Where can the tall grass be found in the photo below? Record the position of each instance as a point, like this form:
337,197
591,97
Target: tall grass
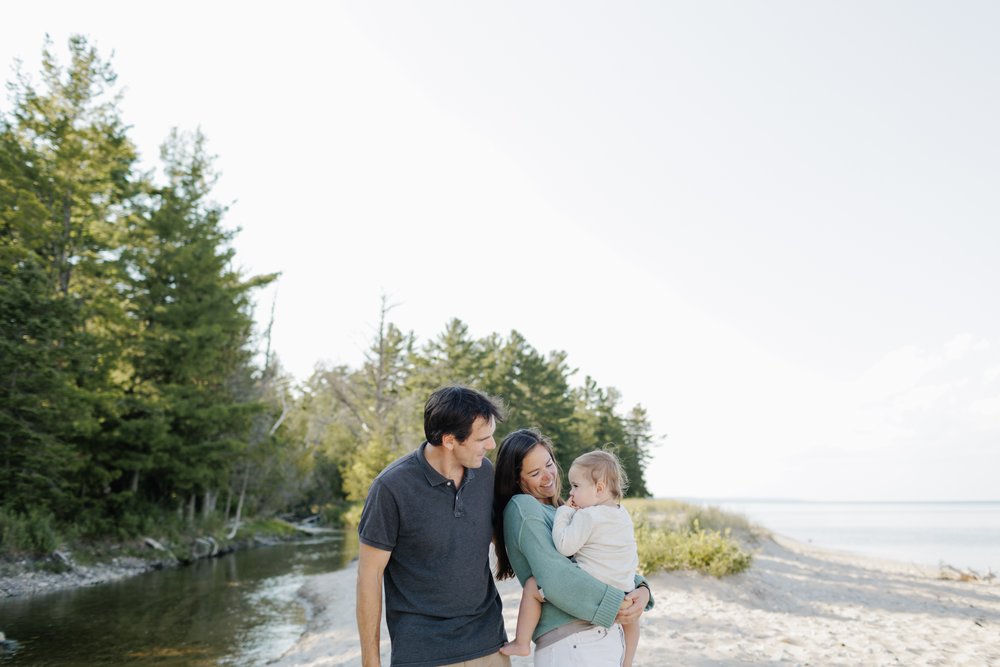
672,535
27,534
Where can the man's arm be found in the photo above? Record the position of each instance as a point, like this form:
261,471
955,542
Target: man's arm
371,568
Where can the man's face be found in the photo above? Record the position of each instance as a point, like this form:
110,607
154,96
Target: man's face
471,451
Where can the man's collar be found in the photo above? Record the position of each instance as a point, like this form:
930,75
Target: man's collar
434,478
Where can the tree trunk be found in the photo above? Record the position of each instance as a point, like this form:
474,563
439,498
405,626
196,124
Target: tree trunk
208,504
191,506
239,505
63,254
134,486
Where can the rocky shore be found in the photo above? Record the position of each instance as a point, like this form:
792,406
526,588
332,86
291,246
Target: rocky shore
60,570
32,577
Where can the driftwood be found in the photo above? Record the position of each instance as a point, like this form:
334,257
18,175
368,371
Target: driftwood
968,574
153,544
307,527
204,547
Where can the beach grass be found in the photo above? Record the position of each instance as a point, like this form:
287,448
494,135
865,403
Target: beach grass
673,535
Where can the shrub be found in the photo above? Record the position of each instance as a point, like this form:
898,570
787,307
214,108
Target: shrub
269,527
352,516
33,533
708,551
671,535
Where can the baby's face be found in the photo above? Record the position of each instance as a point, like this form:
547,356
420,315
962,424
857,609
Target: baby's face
582,490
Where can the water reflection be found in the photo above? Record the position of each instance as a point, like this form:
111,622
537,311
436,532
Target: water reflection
240,609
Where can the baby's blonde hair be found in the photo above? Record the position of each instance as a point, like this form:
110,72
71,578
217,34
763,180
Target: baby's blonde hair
605,467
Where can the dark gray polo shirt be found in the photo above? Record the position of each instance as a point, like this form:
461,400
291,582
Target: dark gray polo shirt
441,604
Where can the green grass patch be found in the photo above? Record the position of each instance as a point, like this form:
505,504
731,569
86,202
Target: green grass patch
268,528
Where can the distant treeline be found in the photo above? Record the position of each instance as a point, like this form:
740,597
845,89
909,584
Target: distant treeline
130,390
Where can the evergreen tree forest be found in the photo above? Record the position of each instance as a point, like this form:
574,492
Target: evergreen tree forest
134,387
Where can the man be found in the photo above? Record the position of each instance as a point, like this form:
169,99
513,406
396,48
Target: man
425,533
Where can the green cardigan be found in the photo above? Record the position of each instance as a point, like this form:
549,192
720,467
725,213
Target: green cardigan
570,593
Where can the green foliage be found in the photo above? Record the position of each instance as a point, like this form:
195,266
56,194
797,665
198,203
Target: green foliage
130,398
597,423
125,335
33,533
669,536
269,527
352,517
65,188
678,515
363,466
361,420
185,401
708,551
713,518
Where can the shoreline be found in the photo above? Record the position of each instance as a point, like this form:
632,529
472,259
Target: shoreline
797,605
26,581
28,577
948,534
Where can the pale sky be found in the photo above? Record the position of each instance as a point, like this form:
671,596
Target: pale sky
774,224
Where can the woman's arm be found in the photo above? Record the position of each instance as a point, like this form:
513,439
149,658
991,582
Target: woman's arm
640,582
565,584
636,602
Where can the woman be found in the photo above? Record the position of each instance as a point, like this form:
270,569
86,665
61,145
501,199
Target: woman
579,614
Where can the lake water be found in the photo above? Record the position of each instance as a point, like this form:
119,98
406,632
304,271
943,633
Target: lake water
961,534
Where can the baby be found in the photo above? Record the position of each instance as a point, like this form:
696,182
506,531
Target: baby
598,532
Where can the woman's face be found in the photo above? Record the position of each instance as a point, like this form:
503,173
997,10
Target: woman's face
538,474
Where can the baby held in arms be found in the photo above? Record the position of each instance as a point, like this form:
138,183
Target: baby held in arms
597,531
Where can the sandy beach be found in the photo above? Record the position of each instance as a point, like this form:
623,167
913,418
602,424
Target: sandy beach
797,605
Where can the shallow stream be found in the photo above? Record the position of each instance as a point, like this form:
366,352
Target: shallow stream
240,609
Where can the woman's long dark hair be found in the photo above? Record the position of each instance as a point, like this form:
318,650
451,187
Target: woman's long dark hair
507,484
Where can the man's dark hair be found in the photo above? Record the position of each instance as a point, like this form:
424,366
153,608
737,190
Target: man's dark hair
453,409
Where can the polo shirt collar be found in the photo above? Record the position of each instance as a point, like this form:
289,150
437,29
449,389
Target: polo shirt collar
434,478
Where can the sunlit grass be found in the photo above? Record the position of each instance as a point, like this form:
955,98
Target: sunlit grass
673,535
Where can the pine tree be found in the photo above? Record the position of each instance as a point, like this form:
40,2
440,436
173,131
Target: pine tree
191,360
65,186
598,425
452,358
636,450
386,410
535,387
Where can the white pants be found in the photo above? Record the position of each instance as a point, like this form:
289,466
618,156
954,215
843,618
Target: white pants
599,647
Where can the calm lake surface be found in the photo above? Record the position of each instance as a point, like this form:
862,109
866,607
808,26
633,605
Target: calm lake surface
961,534
239,609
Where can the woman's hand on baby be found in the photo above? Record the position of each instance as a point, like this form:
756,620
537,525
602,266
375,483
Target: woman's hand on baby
632,606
